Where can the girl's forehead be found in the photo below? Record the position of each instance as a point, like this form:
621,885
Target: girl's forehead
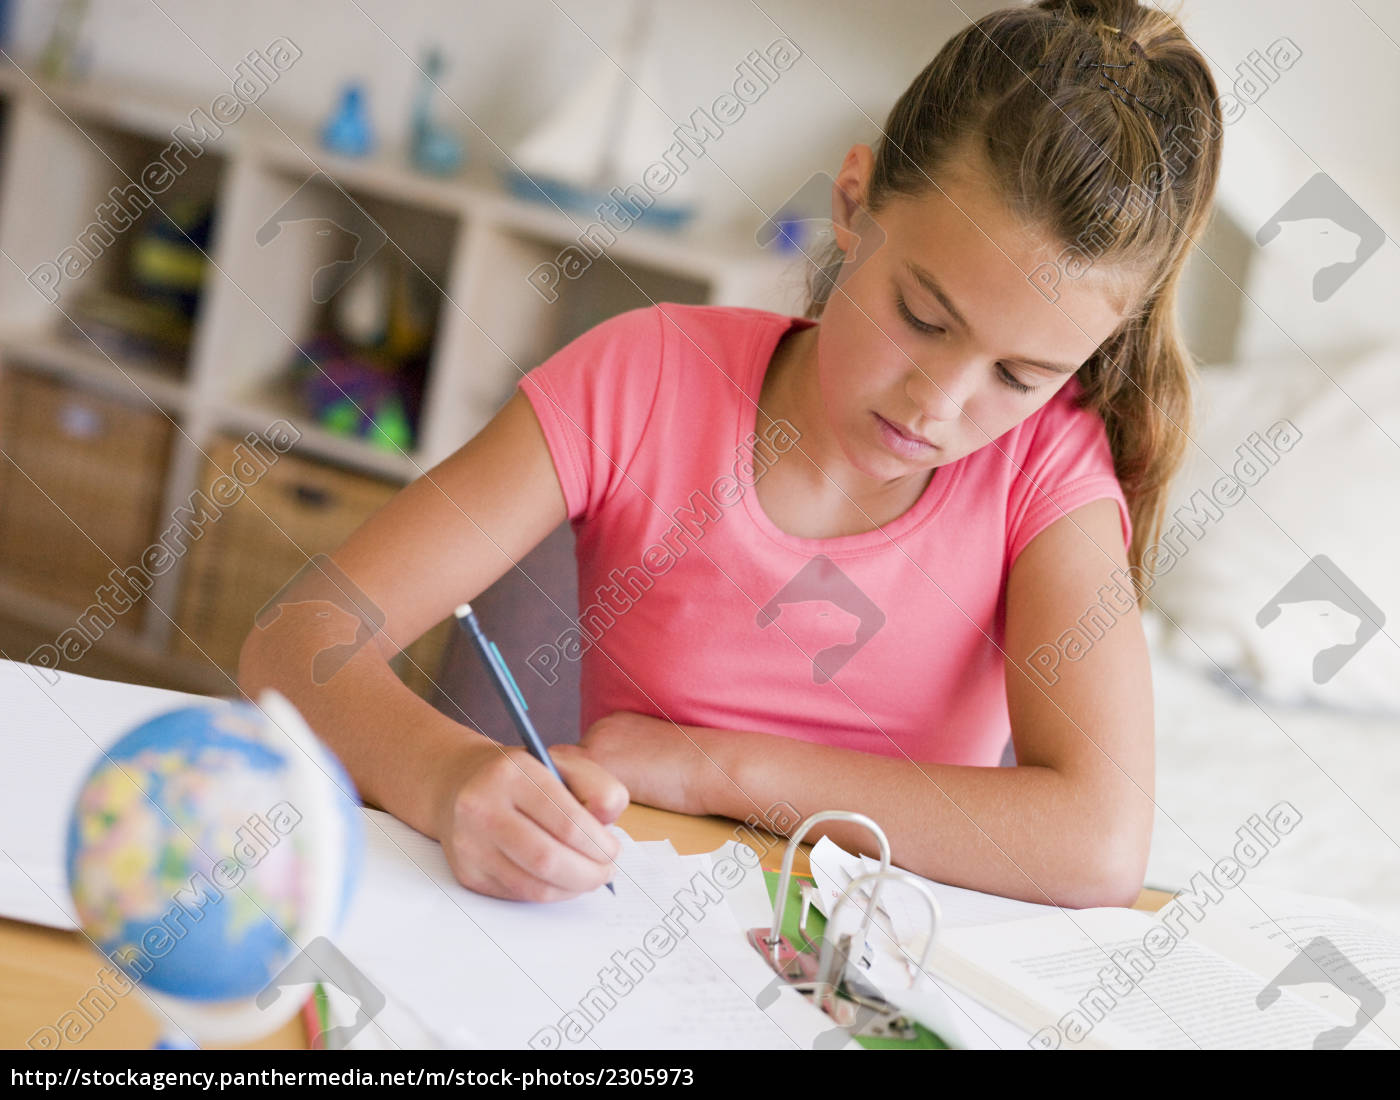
992,268
962,197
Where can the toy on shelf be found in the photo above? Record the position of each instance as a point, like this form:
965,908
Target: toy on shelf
348,131
353,395
168,255
604,136
434,148
363,377
150,316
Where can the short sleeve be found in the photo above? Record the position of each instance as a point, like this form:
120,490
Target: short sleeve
594,398
1067,464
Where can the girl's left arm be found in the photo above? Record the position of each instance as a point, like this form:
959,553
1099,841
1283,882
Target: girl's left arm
1068,825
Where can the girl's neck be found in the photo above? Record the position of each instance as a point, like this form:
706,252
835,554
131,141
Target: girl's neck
815,478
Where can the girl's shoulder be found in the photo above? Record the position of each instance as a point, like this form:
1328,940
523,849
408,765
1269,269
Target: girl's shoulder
730,329
677,330
1055,460
1061,422
631,386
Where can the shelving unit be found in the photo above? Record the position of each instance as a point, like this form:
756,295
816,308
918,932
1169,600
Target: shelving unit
64,147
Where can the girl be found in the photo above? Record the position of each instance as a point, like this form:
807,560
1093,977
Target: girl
841,564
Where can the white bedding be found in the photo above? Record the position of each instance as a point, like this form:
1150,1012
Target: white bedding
1221,758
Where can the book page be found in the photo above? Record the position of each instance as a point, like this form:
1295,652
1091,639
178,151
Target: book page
1116,977
1328,952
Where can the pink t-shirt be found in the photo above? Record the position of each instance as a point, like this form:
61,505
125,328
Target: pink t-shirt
695,606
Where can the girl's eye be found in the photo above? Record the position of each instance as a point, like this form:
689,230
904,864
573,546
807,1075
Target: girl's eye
923,326
1011,380
914,322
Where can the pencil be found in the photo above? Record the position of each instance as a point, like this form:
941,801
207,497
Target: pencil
311,1020
509,691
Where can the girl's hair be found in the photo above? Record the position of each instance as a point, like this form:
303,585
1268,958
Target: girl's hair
1118,164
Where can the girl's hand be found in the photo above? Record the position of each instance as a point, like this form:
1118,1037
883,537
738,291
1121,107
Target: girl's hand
510,830
663,765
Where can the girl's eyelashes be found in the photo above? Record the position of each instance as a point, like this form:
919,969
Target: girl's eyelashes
1005,375
914,322
1011,380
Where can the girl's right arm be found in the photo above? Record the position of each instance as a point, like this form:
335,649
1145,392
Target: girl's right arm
507,827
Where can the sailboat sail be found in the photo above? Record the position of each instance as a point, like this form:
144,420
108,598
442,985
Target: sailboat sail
606,133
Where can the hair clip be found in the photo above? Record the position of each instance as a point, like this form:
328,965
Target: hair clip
1134,101
1116,95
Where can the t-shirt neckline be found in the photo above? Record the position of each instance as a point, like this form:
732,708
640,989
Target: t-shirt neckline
928,505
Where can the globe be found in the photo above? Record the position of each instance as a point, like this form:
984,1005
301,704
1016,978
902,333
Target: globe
206,850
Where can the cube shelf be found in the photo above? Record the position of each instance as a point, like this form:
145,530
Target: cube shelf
290,224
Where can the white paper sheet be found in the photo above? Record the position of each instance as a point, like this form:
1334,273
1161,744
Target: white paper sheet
53,735
512,974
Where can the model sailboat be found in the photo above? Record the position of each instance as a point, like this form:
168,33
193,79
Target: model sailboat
595,148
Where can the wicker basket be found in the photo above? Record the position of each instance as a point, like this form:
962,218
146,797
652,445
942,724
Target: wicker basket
80,486
296,509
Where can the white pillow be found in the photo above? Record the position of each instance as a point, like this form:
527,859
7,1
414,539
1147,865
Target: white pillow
1291,585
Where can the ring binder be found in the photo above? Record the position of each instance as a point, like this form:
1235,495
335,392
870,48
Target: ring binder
851,983
851,999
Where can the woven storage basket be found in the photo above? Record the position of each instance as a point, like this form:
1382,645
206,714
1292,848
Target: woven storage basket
296,509
97,467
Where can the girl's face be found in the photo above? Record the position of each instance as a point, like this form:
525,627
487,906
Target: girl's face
936,342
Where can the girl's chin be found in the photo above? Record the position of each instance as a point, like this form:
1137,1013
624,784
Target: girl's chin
873,460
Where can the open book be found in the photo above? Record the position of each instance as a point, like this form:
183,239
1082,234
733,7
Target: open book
1217,967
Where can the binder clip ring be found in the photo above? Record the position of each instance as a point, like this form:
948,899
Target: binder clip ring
825,986
773,946
799,970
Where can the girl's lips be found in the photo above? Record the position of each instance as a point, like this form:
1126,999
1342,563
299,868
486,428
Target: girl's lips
901,444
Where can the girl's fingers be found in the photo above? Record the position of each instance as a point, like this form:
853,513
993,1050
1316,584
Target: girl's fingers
554,810
515,884
594,786
541,798
539,860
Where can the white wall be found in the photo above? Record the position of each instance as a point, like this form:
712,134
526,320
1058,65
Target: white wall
1334,111
510,62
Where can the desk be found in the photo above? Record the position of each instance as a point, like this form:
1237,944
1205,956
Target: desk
44,971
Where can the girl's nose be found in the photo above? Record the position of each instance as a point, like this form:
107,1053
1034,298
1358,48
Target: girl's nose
941,392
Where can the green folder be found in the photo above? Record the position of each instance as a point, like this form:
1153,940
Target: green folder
816,924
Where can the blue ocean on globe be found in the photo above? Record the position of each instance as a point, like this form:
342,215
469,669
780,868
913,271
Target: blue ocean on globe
204,846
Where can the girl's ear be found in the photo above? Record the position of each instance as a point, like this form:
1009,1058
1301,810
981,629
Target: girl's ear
848,195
